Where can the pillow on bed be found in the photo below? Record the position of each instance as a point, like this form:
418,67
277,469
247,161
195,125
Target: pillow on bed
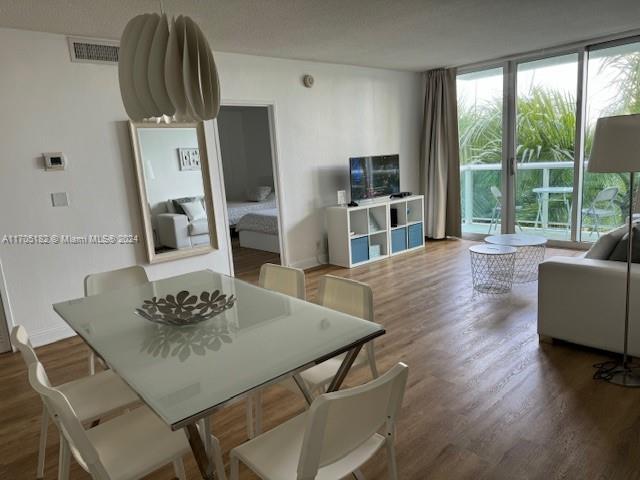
258,194
194,210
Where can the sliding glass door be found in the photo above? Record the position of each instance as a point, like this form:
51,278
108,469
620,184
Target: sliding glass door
613,88
526,128
480,119
546,92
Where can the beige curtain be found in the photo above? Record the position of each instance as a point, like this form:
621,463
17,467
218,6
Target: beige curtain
439,156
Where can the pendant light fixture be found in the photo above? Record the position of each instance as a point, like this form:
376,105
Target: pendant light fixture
166,69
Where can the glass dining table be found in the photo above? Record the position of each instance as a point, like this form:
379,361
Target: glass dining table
184,373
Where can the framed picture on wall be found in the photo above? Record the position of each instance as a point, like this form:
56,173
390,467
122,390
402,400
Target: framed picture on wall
189,159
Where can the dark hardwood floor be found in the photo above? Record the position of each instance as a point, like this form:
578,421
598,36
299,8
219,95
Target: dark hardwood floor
484,399
247,261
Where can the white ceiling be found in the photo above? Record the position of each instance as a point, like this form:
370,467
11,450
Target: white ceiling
400,34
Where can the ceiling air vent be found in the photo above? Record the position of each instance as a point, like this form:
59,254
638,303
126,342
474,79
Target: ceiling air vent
91,50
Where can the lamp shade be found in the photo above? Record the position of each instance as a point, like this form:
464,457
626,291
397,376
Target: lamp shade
616,145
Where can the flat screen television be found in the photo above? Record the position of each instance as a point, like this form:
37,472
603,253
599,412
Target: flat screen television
375,176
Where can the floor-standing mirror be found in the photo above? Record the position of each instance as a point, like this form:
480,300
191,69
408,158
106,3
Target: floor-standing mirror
174,187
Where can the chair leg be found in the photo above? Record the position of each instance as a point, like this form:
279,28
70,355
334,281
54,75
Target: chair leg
391,459
64,460
257,399
249,417
235,467
358,475
92,363
44,427
216,453
178,468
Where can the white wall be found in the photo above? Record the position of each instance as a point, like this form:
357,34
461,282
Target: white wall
50,104
349,111
245,145
163,177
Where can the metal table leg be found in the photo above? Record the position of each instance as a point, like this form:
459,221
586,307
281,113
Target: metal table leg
344,369
303,388
205,465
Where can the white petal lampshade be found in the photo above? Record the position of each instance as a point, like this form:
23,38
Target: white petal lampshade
128,45
173,67
167,71
141,66
155,71
616,145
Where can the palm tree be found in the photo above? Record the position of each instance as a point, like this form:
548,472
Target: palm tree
626,97
546,126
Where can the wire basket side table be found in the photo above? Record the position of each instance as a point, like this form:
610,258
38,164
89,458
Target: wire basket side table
531,252
492,268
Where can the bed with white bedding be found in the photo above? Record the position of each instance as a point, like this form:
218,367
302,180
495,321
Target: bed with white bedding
237,210
259,230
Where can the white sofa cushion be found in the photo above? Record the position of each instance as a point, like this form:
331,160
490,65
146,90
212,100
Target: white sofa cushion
199,227
601,250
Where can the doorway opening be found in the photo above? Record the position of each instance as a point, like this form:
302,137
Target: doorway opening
250,181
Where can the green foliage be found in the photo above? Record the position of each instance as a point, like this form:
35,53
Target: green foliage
546,127
625,84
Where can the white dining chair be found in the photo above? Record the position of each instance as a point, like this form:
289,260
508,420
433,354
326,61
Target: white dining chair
127,447
92,397
346,296
288,281
97,283
353,298
339,433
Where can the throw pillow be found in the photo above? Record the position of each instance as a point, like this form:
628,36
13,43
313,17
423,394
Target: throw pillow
177,203
258,194
602,249
194,210
619,253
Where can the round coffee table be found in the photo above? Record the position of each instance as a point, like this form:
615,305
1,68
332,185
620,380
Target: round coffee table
492,268
531,250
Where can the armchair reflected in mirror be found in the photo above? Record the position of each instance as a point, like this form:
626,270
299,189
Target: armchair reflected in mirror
174,187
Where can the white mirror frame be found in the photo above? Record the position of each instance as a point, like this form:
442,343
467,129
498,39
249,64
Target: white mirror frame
152,256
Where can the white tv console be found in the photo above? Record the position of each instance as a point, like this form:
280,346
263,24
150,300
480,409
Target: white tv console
364,234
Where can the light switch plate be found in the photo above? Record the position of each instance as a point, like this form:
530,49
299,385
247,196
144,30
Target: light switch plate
60,199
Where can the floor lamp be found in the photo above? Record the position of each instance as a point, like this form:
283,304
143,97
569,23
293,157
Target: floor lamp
616,149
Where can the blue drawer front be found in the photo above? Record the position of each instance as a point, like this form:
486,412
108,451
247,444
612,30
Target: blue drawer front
415,235
359,249
398,239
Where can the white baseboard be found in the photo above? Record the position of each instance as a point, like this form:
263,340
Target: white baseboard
50,335
322,259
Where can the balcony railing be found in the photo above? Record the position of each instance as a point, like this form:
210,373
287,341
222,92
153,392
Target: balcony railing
467,172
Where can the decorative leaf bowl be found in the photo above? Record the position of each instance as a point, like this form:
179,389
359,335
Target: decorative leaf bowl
185,308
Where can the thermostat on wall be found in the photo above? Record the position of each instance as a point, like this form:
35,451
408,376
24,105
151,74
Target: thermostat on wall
54,161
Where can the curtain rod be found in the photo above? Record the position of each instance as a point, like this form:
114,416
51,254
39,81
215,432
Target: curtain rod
603,41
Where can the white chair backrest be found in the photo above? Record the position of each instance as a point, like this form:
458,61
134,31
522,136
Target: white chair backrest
67,422
606,195
339,422
96,283
286,280
347,296
495,191
20,340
